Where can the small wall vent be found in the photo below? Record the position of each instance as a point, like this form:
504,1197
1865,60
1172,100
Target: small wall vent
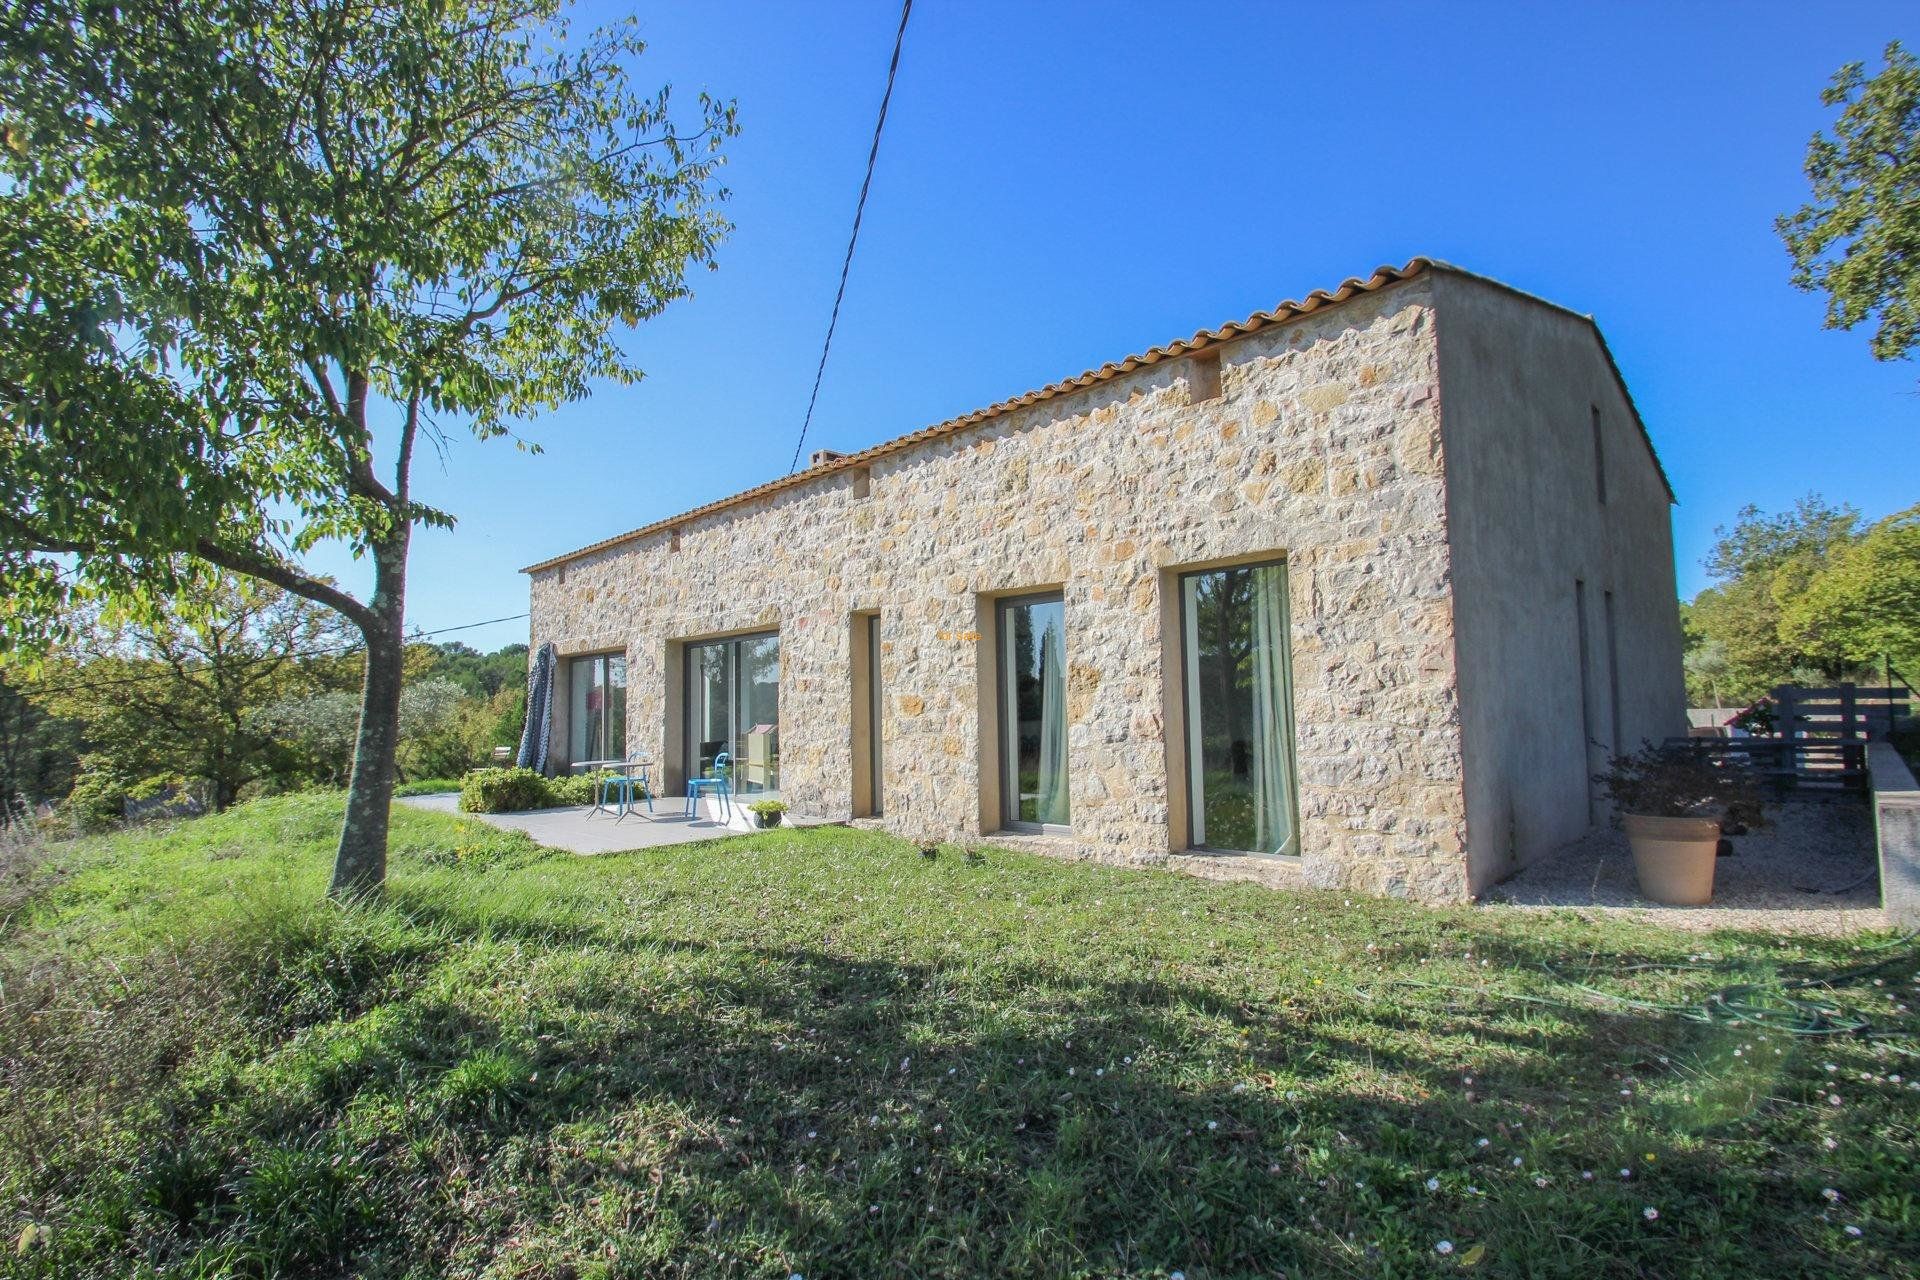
1203,376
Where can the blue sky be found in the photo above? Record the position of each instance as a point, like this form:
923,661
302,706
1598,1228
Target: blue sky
1062,185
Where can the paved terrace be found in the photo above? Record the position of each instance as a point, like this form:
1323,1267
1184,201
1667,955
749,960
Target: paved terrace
581,829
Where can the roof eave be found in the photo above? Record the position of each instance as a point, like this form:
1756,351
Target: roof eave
1381,278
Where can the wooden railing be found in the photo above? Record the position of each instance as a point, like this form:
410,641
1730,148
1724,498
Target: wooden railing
1839,713
1820,735
1786,764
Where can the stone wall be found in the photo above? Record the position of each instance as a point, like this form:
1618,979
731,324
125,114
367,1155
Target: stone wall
1322,446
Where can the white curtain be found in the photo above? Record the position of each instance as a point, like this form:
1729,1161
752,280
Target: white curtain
1276,826
1052,802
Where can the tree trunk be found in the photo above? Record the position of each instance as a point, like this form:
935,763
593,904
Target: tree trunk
360,866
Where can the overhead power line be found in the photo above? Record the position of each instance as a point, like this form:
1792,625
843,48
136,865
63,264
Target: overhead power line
299,655
839,295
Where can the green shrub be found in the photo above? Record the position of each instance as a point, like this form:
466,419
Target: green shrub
581,788
503,791
97,801
573,789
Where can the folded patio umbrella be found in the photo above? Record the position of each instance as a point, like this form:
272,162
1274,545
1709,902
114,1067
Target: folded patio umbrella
539,729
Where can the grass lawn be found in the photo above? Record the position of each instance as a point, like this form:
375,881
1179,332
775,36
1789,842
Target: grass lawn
818,1053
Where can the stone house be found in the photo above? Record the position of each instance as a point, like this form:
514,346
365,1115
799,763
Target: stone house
1357,592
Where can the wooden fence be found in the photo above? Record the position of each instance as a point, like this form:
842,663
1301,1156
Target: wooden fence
1839,713
1819,740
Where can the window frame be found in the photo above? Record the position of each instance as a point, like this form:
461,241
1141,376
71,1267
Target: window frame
1196,794
690,753
605,657
1008,747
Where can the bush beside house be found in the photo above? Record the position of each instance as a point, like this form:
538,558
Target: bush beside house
508,790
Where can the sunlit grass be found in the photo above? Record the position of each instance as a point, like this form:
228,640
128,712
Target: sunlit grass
818,1052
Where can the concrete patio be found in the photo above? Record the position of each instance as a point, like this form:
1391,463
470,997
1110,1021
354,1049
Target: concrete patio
1811,869
583,829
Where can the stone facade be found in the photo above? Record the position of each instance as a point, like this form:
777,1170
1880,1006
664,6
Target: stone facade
1323,445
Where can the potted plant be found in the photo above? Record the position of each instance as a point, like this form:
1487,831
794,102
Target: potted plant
766,813
1672,801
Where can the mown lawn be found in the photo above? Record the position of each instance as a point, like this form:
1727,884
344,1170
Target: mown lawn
819,1053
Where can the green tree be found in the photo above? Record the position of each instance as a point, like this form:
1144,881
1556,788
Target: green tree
1858,240
175,693
1864,603
1737,644
38,752
246,246
322,728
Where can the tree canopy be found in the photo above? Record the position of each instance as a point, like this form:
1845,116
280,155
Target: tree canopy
1805,594
1858,239
245,242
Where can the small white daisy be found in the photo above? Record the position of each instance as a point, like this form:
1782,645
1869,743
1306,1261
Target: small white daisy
1649,1213
1433,1184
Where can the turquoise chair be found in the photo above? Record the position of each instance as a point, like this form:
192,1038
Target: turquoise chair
716,782
623,784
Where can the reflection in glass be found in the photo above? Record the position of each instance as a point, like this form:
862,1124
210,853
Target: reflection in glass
733,706
597,706
1240,709
1034,673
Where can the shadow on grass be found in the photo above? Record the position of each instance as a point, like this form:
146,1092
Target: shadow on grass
582,1098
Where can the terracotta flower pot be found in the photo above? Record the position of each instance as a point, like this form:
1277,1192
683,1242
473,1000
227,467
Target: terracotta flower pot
1673,858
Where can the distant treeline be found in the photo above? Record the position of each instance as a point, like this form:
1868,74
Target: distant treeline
249,691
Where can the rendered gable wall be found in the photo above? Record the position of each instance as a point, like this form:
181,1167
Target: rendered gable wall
1519,383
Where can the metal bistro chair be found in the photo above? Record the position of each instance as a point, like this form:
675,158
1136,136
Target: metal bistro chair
716,782
635,774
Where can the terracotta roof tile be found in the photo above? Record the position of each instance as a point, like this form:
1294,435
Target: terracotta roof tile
1350,288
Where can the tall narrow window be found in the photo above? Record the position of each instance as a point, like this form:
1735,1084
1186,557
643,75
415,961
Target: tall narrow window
1599,457
1033,712
597,708
733,708
1239,699
1587,739
1613,675
868,789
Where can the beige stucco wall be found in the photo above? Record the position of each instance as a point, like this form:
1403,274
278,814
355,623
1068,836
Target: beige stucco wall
1322,447
1519,380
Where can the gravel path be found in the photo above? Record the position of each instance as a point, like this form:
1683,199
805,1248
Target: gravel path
1811,871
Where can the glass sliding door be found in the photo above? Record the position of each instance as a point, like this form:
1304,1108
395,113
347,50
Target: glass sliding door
1033,712
709,706
1239,699
597,707
756,730
733,706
